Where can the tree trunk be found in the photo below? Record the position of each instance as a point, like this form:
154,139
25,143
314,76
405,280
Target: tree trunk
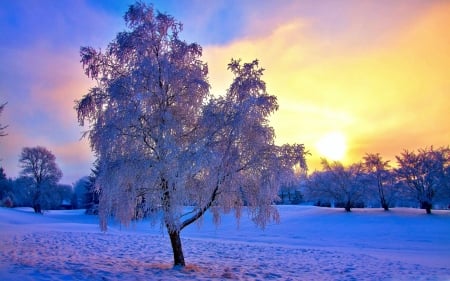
36,200
427,206
348,206
37,208
384,204
178,257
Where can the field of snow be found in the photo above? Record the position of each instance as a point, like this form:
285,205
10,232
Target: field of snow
310,243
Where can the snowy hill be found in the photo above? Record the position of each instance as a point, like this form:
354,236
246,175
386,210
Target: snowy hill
310,243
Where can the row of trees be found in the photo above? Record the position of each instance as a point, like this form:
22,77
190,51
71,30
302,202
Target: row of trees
38,184
22,192
422,176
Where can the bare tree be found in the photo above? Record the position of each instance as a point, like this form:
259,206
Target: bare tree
380,177
38,164
424,173
163,143
2,128
343,185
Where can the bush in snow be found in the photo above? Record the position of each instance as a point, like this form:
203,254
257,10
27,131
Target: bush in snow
7,202
338,185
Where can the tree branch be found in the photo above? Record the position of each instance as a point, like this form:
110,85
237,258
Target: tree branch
200,212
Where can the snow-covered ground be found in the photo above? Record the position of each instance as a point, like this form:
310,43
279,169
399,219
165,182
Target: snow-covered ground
310,243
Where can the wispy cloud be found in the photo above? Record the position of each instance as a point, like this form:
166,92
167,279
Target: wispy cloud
385,96
40,77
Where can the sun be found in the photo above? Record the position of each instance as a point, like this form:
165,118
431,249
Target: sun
332,146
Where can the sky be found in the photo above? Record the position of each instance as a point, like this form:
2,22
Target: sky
351,77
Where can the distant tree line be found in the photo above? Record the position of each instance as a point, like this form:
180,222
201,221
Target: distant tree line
418,179
38,184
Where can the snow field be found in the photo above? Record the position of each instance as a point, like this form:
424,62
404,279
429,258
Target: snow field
309,244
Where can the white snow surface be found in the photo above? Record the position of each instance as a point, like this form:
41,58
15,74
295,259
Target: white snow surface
310,243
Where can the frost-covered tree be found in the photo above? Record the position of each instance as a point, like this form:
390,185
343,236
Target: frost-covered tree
343,185
424,173
445,194
81,189
6,190
2,128
381,178
23,189
39,164
163,143
92,192
2,174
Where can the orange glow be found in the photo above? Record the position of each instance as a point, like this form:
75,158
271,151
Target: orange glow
391,96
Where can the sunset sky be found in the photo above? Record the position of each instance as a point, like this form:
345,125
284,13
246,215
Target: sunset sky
373,76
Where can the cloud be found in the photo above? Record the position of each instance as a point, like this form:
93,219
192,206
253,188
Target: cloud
40,77
385,96
40,91
75,160
411,81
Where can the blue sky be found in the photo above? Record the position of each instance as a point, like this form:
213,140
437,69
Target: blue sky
360,70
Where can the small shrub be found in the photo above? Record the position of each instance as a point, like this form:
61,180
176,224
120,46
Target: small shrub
7,202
